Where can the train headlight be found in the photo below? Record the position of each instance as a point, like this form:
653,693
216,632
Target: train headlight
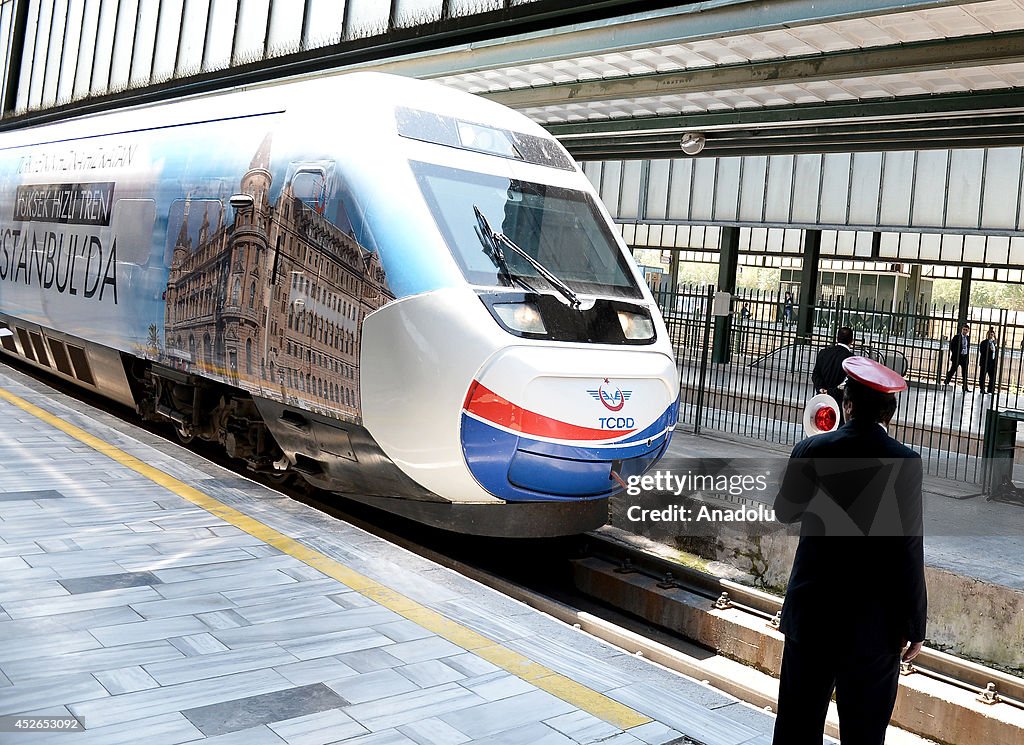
636,325
523,317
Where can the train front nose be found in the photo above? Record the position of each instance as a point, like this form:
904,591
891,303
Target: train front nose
541,423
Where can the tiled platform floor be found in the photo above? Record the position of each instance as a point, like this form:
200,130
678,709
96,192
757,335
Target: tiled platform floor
200,606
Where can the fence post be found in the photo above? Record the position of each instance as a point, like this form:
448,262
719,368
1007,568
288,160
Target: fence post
729,254
699,414
998,385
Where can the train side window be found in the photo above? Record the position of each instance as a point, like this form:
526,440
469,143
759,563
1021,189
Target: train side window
310,185
132,222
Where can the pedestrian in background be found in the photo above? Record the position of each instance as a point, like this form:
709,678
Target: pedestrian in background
959,348
856,601
787,308
988,350
828,374
742,327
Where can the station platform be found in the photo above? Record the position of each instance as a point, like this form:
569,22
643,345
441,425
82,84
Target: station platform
161,599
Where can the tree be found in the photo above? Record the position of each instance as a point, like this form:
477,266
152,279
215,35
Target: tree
983,294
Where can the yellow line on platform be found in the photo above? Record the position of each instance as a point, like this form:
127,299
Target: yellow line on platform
513,662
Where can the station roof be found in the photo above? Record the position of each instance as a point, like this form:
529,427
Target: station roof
760,77
610,78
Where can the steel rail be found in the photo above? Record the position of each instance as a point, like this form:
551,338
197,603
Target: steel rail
947,668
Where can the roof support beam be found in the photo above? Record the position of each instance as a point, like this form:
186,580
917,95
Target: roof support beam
907,108
957,120
645,25
667,150
972,51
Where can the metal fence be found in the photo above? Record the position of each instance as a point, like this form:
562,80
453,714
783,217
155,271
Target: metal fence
749,373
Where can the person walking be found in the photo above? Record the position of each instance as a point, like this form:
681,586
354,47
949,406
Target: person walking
988,350
742,328
856,602
787,308
959,349
828,375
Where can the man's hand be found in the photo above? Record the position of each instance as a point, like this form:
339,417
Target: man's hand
912,651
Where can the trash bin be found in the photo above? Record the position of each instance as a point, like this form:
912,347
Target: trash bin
998,448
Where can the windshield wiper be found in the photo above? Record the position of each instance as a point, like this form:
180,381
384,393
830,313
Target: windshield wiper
494,244
492,250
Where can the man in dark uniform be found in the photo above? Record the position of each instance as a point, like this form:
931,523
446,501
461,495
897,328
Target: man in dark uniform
959,348
856,601
988,350
828,372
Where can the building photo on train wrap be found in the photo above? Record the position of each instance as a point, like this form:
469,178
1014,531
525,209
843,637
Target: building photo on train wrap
429,372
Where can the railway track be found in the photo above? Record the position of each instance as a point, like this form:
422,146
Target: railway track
949,669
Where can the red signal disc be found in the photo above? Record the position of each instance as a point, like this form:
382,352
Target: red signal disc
825,419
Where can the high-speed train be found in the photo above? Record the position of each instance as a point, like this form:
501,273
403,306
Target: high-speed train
402,293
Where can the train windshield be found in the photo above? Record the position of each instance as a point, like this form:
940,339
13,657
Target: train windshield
560,228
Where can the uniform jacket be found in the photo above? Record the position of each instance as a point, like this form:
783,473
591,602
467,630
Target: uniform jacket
858,574
987,354
828,370
959,346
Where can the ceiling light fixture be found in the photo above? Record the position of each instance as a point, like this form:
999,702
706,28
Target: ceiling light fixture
692,143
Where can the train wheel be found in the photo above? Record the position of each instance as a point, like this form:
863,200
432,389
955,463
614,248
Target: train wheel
281,474
184,433
280,478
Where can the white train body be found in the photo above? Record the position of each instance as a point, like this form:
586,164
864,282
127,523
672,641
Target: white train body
298,272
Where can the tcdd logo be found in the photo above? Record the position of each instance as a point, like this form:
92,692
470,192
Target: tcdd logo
613,398
617,422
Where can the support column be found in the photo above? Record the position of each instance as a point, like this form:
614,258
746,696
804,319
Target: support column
914,289
673,269
808,297
728,261
914,305
964,313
